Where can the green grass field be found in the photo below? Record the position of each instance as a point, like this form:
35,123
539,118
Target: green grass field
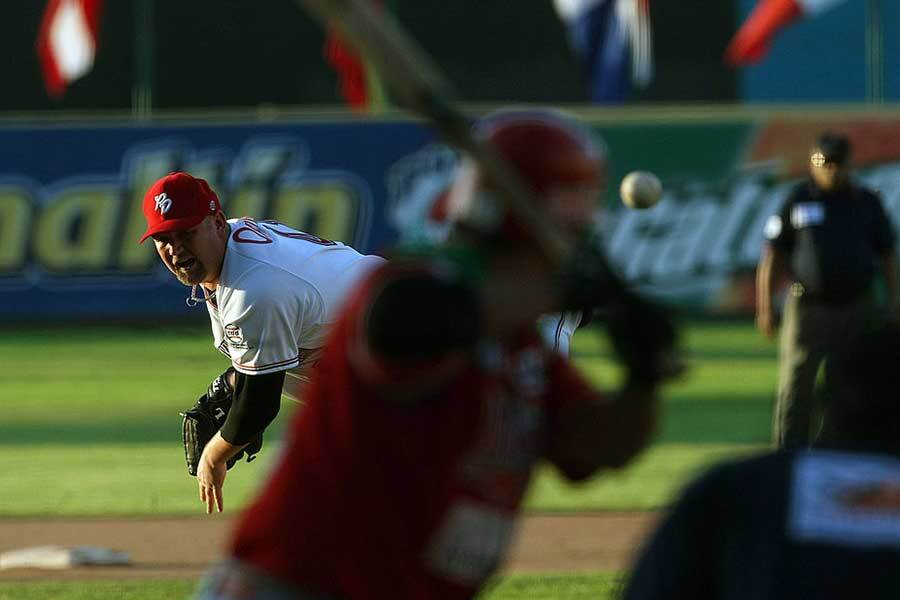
564,586
91,427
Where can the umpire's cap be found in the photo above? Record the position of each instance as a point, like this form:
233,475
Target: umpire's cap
830,147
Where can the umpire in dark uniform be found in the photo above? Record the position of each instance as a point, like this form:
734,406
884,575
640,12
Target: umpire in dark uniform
832,236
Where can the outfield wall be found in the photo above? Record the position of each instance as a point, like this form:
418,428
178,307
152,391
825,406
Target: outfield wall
70,195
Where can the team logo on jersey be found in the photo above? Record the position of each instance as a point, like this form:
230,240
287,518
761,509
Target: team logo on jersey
807,214
881,496
163,203
845,499
235,337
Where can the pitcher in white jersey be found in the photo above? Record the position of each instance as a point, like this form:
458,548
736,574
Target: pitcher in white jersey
272,293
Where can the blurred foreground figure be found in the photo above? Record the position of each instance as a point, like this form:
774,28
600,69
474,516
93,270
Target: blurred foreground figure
833,237
403,475
821,523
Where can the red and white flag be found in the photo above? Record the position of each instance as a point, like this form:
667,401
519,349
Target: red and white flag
67,42
751,43
355,77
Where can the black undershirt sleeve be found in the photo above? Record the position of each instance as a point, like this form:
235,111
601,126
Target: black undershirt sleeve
420,316
256,402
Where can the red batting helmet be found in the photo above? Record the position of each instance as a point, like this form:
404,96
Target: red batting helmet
550,152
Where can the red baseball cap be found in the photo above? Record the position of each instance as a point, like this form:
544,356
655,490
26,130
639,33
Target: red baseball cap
177,202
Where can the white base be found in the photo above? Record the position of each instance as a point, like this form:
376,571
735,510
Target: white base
62,557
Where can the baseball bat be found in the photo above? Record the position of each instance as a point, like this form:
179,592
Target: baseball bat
416,84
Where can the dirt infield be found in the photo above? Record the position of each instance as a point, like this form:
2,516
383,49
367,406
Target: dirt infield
184,547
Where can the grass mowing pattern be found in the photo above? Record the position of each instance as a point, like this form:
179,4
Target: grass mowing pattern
562,586
90,420
593,586
112,479
649,483
146,589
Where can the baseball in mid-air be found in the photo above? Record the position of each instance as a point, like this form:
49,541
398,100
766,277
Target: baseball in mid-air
640,189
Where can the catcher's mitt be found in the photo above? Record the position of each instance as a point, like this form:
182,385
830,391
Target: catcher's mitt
205,418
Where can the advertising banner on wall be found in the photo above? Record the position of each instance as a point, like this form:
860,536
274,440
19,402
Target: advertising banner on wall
70,202
70,199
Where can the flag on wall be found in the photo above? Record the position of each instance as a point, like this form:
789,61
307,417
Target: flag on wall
751,43
358,82
67,42
350,70
613,40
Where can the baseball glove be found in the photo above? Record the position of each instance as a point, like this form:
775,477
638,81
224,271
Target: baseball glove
202,421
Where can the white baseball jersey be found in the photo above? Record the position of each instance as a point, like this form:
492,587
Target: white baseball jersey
557,330
279,291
